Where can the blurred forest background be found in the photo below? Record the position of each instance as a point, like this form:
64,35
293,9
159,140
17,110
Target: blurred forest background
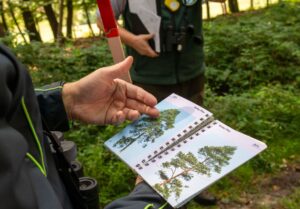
58,20
253,84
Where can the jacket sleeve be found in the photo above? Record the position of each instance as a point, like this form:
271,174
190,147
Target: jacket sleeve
142,197
51,106
118,7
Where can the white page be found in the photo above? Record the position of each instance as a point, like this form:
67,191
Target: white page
218,135
135,5
146,10
152,23
151,4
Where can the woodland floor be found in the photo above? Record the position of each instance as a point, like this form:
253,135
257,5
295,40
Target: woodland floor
271,190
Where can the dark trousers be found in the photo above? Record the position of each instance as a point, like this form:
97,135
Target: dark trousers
192,89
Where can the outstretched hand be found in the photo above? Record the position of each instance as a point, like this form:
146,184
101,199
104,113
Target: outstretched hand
102,98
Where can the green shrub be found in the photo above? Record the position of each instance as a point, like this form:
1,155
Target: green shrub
114,177
253,62
252,49
269,113
49,62
292,201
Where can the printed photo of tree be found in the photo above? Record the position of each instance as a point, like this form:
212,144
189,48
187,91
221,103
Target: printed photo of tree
147,130
176,173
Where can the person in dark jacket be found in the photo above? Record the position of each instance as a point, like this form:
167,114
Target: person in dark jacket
178,67
29,177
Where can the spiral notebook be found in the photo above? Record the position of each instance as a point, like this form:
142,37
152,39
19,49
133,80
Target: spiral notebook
183,151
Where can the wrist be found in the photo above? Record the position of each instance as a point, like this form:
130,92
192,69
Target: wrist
128,38
68,99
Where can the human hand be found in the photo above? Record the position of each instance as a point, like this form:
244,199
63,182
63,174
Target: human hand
141,45
102,98
138,180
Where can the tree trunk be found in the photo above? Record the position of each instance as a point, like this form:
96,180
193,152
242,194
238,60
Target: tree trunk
87,17
30,23
4,24
133,140
60,22
224,8
11,11
207,9
186,171
52,19
251,5
69,18
2,30
233,6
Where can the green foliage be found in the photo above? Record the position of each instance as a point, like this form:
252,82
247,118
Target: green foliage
216,157
253,49
265,112
148,129
209,159
292,201
49,62
270,113
114,177
253,62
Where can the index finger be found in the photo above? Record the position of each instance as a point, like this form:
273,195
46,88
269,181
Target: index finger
137,93
151,53
142,108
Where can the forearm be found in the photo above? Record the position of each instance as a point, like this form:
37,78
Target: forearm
138,42
127,37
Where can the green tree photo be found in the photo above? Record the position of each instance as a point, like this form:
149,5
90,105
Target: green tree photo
210,159
148,129
252,59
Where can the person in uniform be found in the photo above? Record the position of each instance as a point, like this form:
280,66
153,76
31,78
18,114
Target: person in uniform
179,65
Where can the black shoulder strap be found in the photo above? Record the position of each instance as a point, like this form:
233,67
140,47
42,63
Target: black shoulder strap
66,172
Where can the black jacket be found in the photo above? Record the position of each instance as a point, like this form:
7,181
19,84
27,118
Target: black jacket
28,175
22,183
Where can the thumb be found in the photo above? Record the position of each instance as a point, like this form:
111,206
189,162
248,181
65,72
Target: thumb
120,68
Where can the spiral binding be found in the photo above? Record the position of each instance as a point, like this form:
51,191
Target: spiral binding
148,160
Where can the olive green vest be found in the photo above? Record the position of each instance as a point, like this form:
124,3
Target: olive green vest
170,67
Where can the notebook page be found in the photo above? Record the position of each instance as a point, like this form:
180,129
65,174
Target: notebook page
146,137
